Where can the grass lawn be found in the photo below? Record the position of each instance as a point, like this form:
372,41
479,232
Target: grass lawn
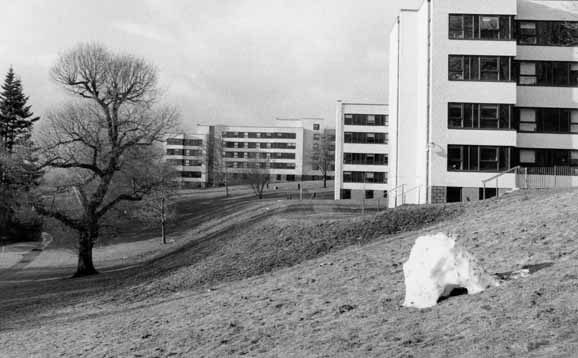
315,279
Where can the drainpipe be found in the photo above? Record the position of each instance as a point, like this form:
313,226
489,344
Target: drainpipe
397,111
428,106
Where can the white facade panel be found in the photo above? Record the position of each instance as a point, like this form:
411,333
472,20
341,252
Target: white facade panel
365,148
555,97
474,180
482,48
506,138
545,140
479,92
547,53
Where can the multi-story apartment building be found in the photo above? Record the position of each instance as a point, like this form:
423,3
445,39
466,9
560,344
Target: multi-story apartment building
361,153
478,88
286,153
186,153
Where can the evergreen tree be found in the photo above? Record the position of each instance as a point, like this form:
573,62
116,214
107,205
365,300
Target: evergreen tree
16,119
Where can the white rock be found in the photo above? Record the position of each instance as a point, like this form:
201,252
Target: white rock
436,266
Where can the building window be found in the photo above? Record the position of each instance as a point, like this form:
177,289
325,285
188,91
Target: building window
365,158
548,120
480,116
345,194
480,27
365,177
365,120
527,73
185,142
369,194
316,126
478,158
188,174
547,73
489,68
547,157
527,120
548,33
527,33
316,136
490,27
479,68
370,138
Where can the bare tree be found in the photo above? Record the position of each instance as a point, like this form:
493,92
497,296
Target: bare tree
105,141
157,205
257,173
323,156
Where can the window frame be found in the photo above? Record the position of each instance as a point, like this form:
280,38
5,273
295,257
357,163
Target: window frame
475,33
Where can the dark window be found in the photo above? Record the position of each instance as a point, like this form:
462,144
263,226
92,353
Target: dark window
453,194
547,157
490,27
489,68
547,73
365,120
457,30
490,193
365,159
480,27
365,177
548,33
316,127
369,194
359,137
478,158
190,174
489,115
479,68
547,120
456,68
480,116
345,194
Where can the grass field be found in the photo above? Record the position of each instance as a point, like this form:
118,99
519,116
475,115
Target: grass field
316,279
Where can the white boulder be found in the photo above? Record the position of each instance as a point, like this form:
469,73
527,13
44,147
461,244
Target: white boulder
436,266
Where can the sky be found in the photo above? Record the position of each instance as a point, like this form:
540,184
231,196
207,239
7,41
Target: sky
220,61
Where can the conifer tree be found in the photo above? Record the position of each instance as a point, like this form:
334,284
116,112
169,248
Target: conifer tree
16,119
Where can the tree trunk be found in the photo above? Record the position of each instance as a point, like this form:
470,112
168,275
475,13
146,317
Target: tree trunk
85,266
325,180
163,221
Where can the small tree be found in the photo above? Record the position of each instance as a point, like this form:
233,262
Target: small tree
323,156
16,119
157,205
257,173
105,142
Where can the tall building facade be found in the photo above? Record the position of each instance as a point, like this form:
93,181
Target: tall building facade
478,88
286,152
362,151
186,153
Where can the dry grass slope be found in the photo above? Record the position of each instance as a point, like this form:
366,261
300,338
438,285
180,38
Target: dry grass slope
332,287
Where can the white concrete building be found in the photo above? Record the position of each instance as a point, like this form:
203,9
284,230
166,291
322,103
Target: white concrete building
285,152
478,87
361,151
186,154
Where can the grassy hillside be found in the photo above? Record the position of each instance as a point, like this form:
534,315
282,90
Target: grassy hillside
310,284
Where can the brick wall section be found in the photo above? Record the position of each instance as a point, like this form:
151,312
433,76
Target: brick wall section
438,194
